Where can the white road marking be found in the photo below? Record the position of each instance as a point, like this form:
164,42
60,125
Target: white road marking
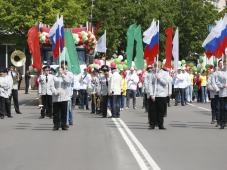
199,107
145,153
131,146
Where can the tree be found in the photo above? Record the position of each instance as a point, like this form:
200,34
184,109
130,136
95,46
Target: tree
17,16
191,16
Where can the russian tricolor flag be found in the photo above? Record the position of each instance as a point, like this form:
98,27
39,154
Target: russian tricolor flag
216,41
56,36
151,38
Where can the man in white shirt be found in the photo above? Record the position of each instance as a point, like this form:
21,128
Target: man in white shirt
46,84
179,87
132,81
115,92
4,86
14,95
85,80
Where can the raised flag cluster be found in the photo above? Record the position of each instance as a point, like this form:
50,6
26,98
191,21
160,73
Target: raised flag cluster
56,36
151,38
216,42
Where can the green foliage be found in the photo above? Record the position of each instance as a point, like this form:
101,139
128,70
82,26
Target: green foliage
17,16
191,16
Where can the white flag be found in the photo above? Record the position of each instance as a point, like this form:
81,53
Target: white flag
101,44
175,50
149,33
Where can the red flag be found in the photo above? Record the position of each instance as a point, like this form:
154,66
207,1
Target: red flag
169,33
150,53
34,47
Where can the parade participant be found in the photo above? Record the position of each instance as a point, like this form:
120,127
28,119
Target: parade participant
104,83
186,84
216,73
27,80
46,83
13,72
203,79
76,88
149,83
190,87
61,96
85,80
115,91
146,87
222,85
132,81
95,89
179,87
69,91
9,93
4,86
160,94
123,90
213,89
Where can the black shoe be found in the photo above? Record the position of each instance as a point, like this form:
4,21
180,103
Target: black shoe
162,128
10,116
222,127
42,117
2,117
19,113
65,127
55,128
151,127
70,124
175,104
118,116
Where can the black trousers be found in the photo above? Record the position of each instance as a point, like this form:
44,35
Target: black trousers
60,113
14,95
103,105
26,85
151,112
75,96
2,107
83,99
223,111
145,102
47,106
215,108
157,117
131,94
115,110
8,107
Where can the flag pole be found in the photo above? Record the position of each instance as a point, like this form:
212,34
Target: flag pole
156,71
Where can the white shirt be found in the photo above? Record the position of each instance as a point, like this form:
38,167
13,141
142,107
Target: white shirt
46,83
4,87
179,81
115,83
84,81
132,81
76,83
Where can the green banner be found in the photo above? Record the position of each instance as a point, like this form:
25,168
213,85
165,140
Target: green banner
130,44
139,59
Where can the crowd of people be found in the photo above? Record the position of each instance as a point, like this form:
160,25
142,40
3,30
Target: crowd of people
110,89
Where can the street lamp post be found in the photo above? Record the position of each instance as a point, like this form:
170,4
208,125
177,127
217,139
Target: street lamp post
92,5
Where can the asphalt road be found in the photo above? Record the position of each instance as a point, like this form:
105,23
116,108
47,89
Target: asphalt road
93,143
